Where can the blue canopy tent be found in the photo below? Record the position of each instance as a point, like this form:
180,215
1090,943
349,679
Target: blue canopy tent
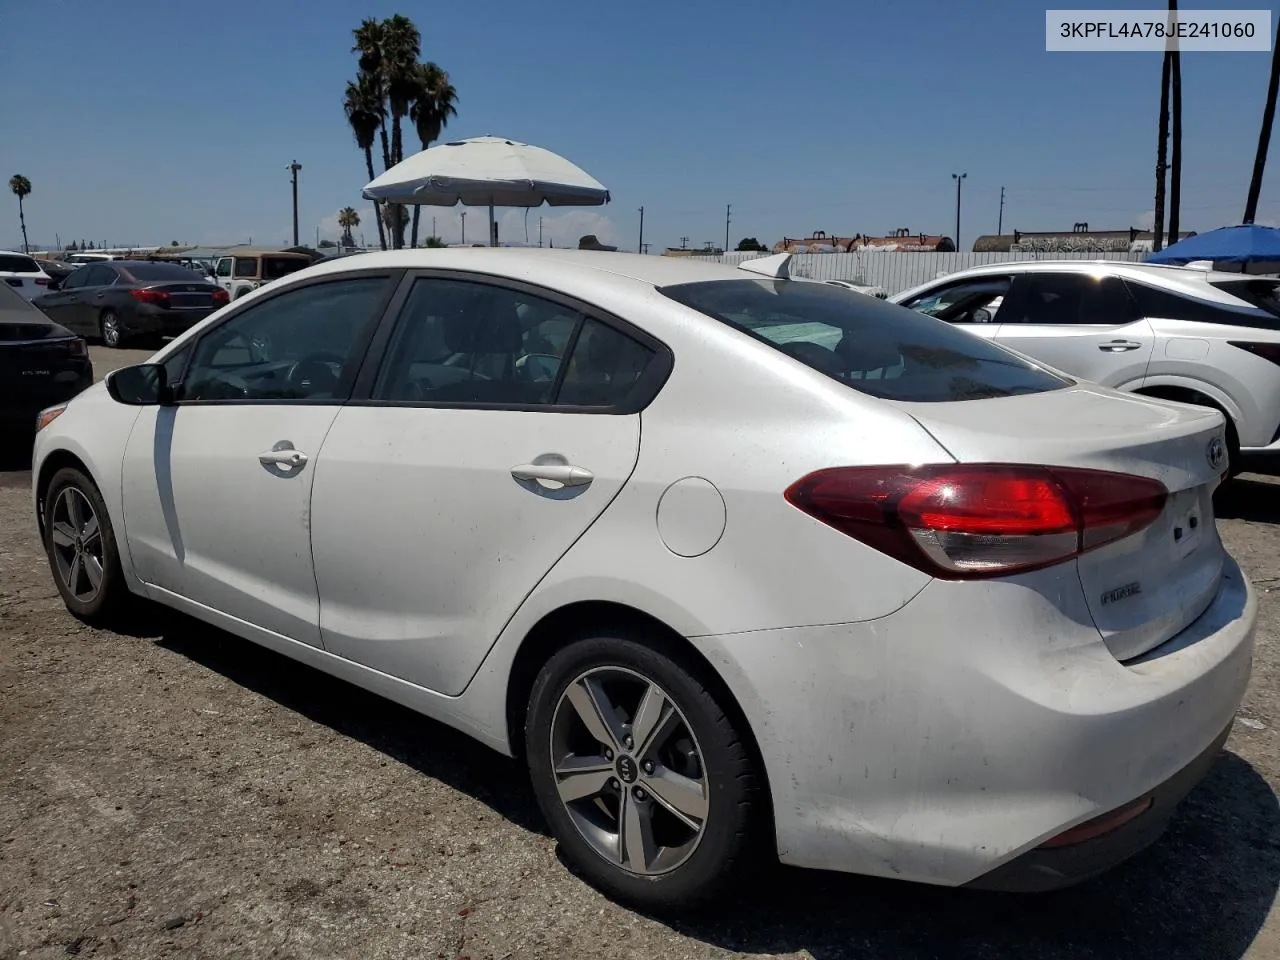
1241,245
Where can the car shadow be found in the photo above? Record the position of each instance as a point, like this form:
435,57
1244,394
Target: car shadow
1203,891
429,747
1255,500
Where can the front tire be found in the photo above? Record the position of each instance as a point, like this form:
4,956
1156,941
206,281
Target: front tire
81,547
111,329
639,769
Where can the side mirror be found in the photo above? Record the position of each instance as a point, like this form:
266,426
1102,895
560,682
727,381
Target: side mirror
53,284
142,385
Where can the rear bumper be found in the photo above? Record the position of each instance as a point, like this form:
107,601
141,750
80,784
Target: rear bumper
1052,868
147,318
978,722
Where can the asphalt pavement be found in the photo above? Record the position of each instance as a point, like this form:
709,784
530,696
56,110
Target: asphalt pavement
173,791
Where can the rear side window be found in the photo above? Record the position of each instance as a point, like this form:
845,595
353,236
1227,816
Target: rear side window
474,344
246,266
875,347
1067,299
273,268
16,263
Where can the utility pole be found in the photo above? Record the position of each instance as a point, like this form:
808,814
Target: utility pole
539,231
684,243
640,245
644,248
433,227
999,222
958,178
728,209
293,170
464,227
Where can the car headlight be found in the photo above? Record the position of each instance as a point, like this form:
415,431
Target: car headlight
48,415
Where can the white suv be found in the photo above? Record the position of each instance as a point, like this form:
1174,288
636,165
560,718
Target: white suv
1179,333
23,274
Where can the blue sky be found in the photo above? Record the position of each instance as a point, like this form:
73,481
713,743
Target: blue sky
143,121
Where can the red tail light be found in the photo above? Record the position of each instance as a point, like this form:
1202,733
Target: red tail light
964,521
42,281
158,297
220,297
1268,351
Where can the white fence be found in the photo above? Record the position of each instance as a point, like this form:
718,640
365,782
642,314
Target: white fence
901,271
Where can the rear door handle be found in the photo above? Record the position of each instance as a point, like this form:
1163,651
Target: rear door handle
564,473
283,458
1119,346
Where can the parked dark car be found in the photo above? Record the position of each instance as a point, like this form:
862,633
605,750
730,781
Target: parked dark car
41,363
57,269
123,299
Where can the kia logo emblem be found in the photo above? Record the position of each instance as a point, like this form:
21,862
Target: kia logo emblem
1216,453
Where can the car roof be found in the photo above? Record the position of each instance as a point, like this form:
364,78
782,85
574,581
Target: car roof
648,270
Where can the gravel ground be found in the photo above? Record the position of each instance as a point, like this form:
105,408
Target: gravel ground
176,792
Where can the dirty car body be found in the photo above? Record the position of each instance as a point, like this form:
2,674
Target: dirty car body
963,620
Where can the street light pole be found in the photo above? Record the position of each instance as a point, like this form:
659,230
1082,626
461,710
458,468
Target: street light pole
464,228
640,246
293,170
958,177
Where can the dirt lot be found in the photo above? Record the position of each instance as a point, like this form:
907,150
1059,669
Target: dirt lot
176,792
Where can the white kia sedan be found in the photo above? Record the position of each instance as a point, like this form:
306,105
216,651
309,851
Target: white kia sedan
740,566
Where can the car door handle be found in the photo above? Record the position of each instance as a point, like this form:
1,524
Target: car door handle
1119,346
564,473
283,458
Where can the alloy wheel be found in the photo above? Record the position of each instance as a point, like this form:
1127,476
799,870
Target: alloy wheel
629,770
110,329
77,544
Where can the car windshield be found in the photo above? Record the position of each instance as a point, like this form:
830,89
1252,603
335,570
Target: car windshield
873,346
159,272
273,268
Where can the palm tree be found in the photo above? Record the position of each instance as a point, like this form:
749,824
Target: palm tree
401,45
369,37
348,218
21,187
1264,135
434,101
365,113
1162,146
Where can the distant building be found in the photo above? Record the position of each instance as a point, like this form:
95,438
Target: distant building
693,252
901,240
1079,239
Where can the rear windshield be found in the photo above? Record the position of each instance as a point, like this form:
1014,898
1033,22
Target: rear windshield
273,268
159,272
875,347
17,263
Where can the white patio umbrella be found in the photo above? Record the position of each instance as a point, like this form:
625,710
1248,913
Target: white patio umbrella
487,172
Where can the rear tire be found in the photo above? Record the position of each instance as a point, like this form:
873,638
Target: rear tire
81,547
667,820
111,329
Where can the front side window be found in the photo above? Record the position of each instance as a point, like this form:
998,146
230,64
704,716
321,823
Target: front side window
300,345
246,267
224,267
79,278
968,301
463,342
100,276
872,346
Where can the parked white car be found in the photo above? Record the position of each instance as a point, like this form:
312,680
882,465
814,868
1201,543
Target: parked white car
1179,333
739,566
23,274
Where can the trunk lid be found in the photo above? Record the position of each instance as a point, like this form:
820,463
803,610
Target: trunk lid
1146,588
